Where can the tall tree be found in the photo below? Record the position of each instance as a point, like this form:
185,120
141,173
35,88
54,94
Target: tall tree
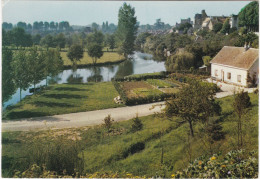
20,71
195,102
249,15
35,62
8,86
53,63
127,29
111,41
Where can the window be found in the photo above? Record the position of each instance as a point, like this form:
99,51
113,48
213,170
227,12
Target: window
238,78
216,72
229,76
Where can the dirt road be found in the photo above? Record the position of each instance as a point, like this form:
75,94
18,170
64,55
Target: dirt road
82,118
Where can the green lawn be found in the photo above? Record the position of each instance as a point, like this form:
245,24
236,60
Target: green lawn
87,60
140,153
65,98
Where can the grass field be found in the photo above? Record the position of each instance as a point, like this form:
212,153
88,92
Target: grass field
87,60
65,98
161,148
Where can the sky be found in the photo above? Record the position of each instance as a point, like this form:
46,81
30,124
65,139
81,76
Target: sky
86,12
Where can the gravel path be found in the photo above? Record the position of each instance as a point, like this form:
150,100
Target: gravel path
82,118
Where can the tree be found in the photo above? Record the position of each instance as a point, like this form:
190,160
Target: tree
60,40
94,26
127,29
20,71
217,27
48,41
241,104
95,52
35,62
136,124
249,15
22,25
226,27
111,41
75,53
180,61
195,102
36,39
108,121
20,38
206,60
95,37
8,86
53,63
46,26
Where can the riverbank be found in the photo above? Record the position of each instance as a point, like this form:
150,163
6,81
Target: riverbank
64,99
108,58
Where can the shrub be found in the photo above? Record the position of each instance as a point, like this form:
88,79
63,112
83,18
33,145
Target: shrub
108,122
58,155
137,124
234,165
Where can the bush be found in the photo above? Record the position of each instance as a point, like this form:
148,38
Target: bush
236,164
136,125
108,122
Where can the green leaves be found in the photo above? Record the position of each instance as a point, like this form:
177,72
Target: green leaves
249,15
127,29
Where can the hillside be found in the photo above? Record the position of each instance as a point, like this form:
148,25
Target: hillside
161,148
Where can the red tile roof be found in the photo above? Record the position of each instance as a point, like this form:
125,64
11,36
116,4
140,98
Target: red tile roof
236,57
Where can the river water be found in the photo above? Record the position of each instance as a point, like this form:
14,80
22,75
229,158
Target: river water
140,63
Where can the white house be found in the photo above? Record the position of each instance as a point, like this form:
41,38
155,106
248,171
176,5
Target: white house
236,65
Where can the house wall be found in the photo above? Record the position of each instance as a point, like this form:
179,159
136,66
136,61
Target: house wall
255,70
234,73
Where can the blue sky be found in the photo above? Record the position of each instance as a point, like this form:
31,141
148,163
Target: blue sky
86,12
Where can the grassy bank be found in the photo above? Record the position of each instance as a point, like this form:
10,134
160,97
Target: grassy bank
107,58
65,98
161,148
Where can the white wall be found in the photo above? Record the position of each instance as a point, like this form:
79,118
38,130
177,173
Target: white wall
255,69
234,72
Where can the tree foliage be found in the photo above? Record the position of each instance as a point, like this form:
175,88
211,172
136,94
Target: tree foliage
249,16
21,72
180,61
75,53
195,102
8,86
95,52
127,29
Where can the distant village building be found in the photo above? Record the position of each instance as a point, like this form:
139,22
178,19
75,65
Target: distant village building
183,21
203,21
198,19
236,65
233,21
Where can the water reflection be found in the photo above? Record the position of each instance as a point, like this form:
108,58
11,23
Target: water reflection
95,75
124,69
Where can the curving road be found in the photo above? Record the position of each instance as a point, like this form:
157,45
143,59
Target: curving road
81,119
